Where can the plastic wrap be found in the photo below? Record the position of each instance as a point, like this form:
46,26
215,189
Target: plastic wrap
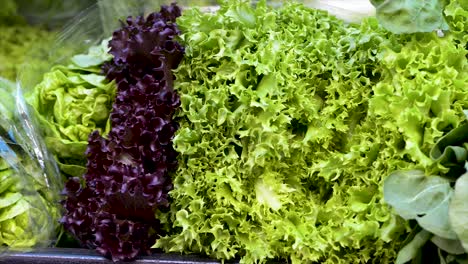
51,13
29,180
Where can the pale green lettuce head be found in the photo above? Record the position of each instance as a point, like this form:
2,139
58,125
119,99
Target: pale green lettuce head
71,102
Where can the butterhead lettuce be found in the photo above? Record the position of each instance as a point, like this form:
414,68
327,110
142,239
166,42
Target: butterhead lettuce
71,102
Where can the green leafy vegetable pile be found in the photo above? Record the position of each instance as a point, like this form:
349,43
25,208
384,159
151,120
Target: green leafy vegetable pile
426,89
279,155
290,121
71,102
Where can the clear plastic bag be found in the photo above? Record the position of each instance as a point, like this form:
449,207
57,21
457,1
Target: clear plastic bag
29,180
50,13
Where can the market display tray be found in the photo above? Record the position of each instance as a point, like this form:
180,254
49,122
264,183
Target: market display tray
85,256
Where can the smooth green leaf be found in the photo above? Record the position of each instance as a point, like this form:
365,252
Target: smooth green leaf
18,208
451,246
71,169
413,248
96,56
449,150
459,210
441,257
408,16
412,193
437,219
424,198
9,199
85,61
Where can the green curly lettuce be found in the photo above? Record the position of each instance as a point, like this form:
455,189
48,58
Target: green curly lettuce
456,13
425,87
71,102
282,154
423,92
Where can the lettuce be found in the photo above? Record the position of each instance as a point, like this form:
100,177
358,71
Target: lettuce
438,208
28,190
414,195
15,45
458,211
112,207
290,121
423,93
407,16
71,102
282,154
456,13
